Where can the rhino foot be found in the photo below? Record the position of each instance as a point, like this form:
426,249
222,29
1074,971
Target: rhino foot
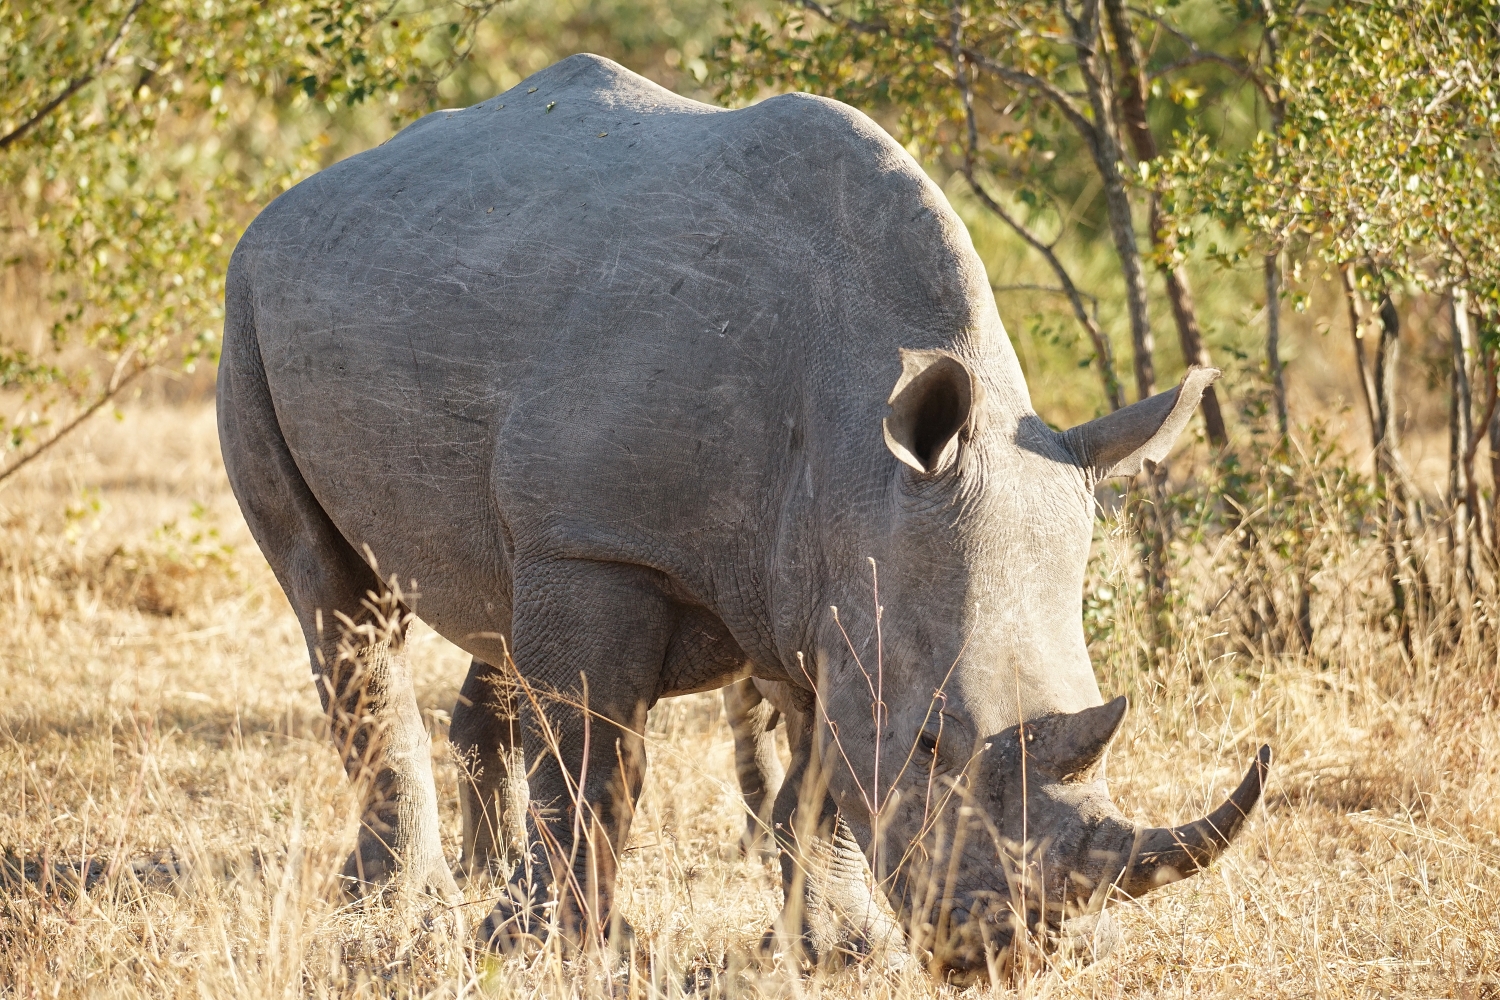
515,929
828,948
372,869
519,925
369,868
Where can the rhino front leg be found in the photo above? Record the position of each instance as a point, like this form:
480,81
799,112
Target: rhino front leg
590,639
832,910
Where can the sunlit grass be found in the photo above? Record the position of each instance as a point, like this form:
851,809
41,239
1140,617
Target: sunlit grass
155,702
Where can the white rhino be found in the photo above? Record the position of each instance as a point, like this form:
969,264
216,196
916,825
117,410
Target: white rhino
635,389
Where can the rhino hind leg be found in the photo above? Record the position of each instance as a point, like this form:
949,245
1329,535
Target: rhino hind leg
493,790
388,750
753,720
362,679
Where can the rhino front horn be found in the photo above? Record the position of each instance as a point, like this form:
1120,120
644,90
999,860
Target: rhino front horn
1165,854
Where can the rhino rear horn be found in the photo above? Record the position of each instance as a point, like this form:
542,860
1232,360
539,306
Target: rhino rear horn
1087,735
1120,443
935,400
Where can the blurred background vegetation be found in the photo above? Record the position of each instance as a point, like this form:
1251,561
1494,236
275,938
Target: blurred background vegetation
1303,194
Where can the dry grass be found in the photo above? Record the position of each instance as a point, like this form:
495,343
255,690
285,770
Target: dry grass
154,697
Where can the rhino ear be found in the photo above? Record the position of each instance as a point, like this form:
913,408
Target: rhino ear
1120,443
935,400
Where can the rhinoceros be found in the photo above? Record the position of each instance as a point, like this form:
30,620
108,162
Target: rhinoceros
623,394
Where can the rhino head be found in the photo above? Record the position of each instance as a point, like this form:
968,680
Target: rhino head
962,721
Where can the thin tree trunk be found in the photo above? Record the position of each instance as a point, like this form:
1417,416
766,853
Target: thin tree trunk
1108,157
1189,336
1150,510
1304,609
1179,292
1352,299
1485,362
1302,584
1388,471
1494,464
1273,339
1387,355
1461,437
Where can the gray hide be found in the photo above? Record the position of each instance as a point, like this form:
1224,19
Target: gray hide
632,390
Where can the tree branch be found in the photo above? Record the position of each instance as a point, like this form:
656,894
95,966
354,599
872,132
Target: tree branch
116,386
1103,351
1029,81
1054,289
1016,78
74,86
827,13
1197,55
963,60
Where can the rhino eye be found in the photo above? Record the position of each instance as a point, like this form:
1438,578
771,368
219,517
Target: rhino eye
927,745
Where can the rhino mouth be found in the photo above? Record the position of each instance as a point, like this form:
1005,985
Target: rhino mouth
1001,946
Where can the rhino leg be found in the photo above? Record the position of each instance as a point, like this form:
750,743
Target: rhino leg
493,791
832,911
363,680
379,727
753,720
587,635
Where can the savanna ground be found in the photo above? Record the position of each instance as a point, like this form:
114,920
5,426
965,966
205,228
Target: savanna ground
156,708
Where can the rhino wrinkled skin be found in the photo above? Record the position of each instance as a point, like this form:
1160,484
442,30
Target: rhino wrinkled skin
629,391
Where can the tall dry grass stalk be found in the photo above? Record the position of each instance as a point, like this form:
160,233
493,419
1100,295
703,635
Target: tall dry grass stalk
175,816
